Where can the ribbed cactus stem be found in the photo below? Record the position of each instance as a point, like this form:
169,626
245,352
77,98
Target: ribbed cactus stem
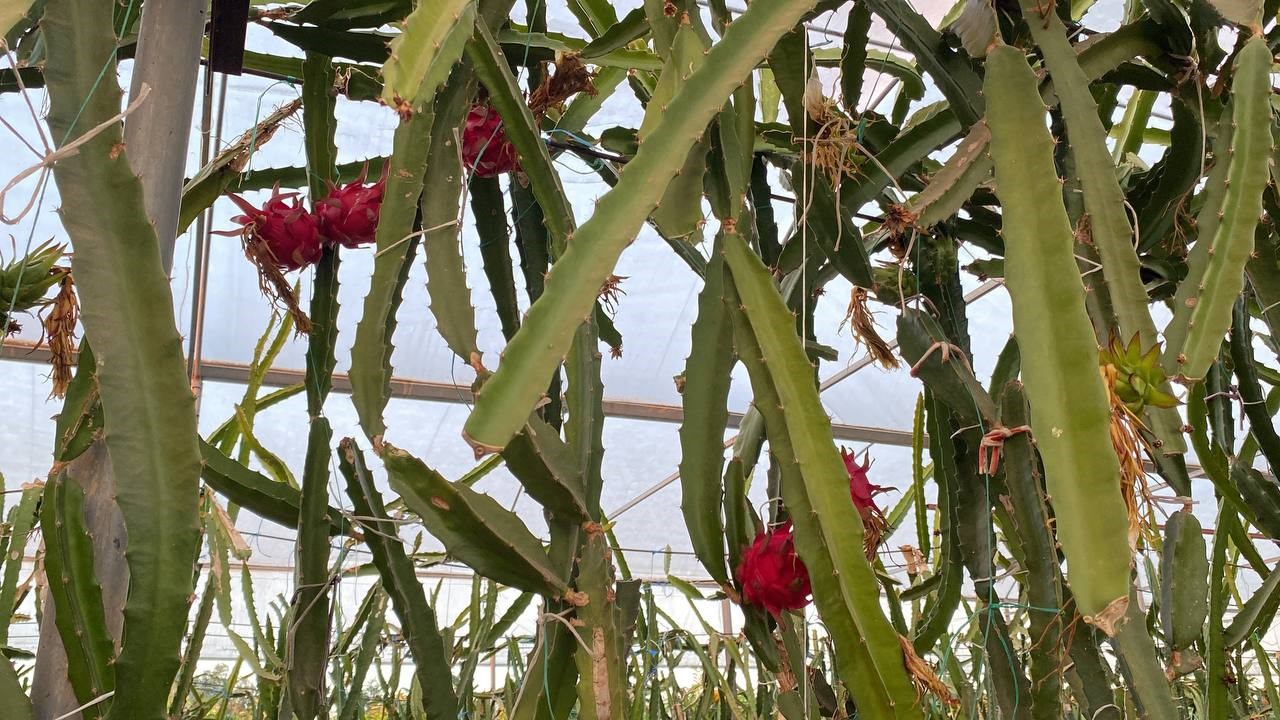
1069,411
1202,308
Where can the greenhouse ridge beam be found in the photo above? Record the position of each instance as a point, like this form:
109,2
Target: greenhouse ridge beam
451,393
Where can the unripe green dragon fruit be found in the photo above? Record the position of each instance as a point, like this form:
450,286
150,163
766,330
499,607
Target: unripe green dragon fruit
1139,375
24,282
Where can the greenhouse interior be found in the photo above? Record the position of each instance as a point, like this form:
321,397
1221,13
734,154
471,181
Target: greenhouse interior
654,359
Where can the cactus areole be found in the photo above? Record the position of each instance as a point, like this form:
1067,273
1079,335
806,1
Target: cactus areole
486,151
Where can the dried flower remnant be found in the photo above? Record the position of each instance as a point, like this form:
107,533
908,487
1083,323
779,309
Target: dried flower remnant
863,324
570,78
60,334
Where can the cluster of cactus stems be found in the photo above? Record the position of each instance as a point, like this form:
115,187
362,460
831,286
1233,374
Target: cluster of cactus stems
1087,595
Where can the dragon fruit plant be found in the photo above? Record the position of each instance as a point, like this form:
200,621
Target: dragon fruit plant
1032,558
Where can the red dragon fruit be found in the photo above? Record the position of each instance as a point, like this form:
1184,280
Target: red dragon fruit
285,230
772,575
860,487
863,493
349,214
486,151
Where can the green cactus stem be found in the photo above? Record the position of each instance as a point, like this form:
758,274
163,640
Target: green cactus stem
1184,582
441,231
1137,652
1104,201
522,130
371,353
548,470
399,579
935,618
816,491
489,210
1202,308
431,41
1069,412
473,527
1042,584
260,495
707,376
943,367
77,596
679,212
601,655
127,311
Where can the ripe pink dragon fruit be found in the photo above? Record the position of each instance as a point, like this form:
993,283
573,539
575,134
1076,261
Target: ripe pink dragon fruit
860,487
285,230
349,214
863,492
486,151
772,575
